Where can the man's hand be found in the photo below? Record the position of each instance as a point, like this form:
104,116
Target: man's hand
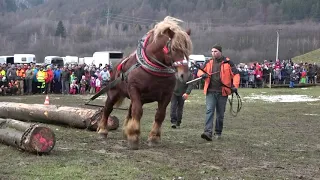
185,96
204,76
234,90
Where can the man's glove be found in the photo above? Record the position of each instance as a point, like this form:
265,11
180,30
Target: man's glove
204,76
234,90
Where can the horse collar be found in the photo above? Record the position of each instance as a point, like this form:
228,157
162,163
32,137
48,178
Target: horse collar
149,66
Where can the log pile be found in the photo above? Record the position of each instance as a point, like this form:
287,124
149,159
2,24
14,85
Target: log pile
29,137
82,118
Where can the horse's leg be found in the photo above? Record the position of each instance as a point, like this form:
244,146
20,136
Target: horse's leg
113,97
155,133
132,129
126,121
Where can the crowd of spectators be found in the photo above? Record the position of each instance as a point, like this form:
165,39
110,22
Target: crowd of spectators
26,79
258,74
22,79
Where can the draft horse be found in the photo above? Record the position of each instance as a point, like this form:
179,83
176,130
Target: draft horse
149,75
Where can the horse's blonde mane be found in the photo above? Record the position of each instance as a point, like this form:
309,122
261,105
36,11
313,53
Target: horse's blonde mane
181,40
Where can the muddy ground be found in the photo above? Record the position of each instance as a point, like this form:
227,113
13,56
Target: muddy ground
267,140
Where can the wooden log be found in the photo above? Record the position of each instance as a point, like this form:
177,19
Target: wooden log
82,118
33,138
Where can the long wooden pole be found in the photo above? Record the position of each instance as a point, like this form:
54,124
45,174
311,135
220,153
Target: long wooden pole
82,118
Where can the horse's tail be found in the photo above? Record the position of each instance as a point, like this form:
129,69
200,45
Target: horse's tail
119,102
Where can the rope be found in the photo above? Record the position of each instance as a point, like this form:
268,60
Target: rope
239,105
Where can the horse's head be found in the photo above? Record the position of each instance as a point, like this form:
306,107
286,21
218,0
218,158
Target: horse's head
171,46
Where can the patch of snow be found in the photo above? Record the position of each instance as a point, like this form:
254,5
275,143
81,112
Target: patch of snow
282,98
311,114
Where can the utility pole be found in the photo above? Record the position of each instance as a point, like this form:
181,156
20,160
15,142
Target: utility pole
35,38
278,39
108,16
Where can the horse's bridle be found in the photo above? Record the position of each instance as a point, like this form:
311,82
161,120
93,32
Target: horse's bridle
167,49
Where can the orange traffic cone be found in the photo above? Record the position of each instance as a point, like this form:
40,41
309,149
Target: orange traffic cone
46,102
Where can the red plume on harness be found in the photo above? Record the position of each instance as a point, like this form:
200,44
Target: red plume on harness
119,67
165,50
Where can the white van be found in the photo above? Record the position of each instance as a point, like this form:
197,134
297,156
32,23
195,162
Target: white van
197,59
24,58
71,60
54,60
6,59
107,57
88,60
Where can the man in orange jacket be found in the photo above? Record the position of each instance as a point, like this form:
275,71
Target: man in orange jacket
221,79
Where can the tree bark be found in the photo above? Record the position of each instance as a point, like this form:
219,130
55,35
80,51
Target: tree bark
33,138
72,116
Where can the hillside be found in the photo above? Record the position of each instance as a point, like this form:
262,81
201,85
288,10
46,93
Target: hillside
310,57
17,5
245,28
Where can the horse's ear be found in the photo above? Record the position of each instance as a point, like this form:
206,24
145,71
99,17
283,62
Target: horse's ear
188,31
170,33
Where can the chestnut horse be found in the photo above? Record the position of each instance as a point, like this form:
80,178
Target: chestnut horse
149,75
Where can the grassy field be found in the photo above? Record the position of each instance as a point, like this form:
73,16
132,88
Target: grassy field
265,141
310,57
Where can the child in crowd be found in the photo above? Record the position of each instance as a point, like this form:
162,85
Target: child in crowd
92,85
83,84
98,84
73,87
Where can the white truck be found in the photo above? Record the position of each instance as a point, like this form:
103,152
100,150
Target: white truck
24,58
107,57
6,59
71,60
197,59
88,60
54,60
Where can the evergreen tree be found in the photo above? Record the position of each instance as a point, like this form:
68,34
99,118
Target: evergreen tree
60,30
315,11
11,5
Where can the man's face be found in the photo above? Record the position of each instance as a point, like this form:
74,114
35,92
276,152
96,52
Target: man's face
216,54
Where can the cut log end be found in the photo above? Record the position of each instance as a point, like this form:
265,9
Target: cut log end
113,123
42,140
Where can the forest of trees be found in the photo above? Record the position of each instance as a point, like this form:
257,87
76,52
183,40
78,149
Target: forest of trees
245,28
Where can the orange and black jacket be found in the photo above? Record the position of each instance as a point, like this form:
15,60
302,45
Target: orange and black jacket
228,74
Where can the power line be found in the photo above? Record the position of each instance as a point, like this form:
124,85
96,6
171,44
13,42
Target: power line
144,21
136,18
129,21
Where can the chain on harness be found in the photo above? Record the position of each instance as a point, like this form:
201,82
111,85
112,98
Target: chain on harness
233,112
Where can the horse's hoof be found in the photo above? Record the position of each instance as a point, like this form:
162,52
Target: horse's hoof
103,134
152,142
133,145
